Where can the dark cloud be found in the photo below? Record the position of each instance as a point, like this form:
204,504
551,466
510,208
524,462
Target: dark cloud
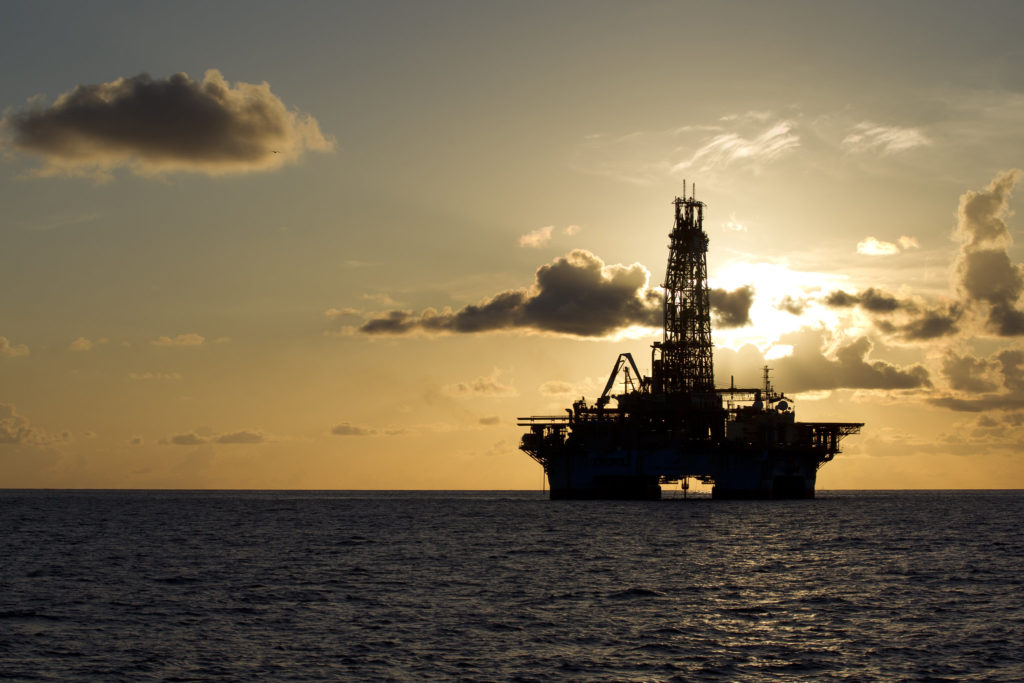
967,373
155,125
871,299
190,439
576,294
986,273
926,324
490,421
975,375
732,309
915,320
241,437
347,429
791,305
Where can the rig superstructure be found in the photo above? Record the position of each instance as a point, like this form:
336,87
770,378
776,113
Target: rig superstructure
675,425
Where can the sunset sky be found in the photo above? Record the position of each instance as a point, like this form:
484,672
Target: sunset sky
345,244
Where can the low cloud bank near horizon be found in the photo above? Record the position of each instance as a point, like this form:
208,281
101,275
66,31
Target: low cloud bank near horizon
158,125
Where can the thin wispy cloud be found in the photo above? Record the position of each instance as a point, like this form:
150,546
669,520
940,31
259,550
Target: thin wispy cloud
726,149
489,386
868,137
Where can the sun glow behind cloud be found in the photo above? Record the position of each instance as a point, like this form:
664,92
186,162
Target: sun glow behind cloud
772,284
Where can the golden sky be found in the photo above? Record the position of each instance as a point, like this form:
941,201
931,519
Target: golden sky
343,245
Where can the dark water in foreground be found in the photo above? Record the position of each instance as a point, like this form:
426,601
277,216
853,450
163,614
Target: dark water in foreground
509,586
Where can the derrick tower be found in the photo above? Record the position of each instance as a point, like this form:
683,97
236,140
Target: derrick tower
685,366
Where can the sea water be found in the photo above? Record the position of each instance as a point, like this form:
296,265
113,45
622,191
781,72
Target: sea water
496,586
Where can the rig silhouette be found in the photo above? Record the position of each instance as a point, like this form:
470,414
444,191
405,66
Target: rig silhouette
675,425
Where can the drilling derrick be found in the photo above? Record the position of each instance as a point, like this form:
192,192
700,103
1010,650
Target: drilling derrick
685,365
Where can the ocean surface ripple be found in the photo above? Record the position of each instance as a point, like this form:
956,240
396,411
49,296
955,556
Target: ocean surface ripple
185,586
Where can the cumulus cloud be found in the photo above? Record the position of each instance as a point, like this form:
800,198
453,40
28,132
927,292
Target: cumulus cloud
987,275
81,344
11,350
869,137
576,295
189,339
537,238
15,429
809,368
732,309
489,385
995,383
159,125
970,374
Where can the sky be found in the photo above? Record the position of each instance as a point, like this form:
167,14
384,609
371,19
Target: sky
343,245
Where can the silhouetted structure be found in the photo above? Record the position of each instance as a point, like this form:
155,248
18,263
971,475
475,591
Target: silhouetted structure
675,424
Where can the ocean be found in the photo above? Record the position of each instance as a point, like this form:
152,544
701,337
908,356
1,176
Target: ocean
509,586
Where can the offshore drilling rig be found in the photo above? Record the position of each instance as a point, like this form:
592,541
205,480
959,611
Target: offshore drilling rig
675,425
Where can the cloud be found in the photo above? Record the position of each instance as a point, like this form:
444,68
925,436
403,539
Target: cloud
871,246
572,229
189,339
791,305
160,125
917,320
489,386
15,429
206,436
490,421
908,242
732,309
537,238
12,350
868,137
81,344
190,439
575,295
348,429
557,388
724,149
969,374
987,275
1004,391
808,368
243,437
